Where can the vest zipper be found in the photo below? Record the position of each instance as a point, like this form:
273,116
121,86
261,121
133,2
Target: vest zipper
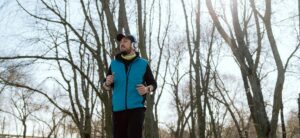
126,91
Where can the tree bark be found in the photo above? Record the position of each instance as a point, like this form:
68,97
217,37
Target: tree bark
24,128
277,98
123,22
282,123
193,120
110,24
299,114
141,31
299,14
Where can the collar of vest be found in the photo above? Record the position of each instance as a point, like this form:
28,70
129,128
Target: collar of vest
119,56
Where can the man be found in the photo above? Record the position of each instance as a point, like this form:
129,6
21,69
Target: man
130,78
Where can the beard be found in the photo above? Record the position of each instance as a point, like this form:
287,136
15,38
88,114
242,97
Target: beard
126,52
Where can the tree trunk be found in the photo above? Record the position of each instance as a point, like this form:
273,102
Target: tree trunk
299,14
282,122
88,123
201,112
192,133
277,98
141,31
85,135
299,113
24,128
108,119
123,22
110,24
151,129
3,126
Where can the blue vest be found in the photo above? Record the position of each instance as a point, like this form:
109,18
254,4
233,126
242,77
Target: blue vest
125,96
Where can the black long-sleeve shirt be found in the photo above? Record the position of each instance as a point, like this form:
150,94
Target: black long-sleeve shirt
148,76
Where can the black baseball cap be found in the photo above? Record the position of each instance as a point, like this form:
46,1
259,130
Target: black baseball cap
130,37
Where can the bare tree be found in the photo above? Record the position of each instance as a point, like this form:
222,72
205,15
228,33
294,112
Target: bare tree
238,42
299,58
81,51
196,67
292,125
53,125
220,88
299,13
22,108
80,88
3,124
20,104
160,73
179,90
201,69
299,113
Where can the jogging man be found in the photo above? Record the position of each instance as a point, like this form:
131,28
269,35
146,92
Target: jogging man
131,79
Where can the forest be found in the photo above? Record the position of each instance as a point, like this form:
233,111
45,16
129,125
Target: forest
224,68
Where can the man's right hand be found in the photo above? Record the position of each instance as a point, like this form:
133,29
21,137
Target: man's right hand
109,80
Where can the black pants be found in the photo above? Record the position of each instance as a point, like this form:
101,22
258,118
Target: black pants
128,123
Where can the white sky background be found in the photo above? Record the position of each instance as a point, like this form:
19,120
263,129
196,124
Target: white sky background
15,28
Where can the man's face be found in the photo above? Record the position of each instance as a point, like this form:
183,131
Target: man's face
125,45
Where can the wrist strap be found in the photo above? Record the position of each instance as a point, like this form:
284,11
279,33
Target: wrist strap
149,88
